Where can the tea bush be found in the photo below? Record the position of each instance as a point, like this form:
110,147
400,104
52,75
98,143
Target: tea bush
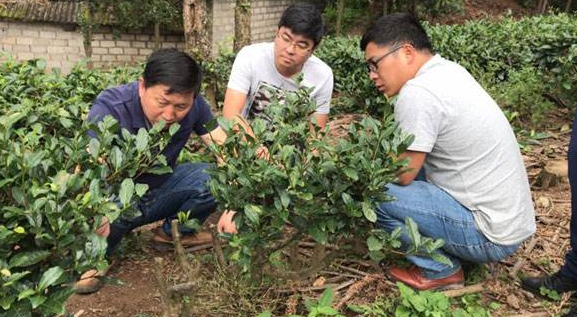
324,189
56,182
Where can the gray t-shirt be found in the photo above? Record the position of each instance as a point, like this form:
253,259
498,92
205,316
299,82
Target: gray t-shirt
471,149
254,73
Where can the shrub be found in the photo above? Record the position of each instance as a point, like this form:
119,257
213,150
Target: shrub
57,182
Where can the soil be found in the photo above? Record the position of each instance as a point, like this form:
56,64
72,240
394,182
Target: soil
360,280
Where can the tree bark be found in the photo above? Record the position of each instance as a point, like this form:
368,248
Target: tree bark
386,6
340,13
87,33
568,6
242,18
197,23
156,36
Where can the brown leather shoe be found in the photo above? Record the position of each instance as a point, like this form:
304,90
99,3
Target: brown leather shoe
415,279
91,280
187,240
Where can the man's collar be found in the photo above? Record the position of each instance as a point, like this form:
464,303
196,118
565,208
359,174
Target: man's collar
136,112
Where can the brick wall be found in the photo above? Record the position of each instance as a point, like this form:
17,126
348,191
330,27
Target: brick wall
62,47
265,16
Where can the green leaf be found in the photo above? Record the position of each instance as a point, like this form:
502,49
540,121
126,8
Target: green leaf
413,231
26,293
253,213
173,129
37,300
284,198
369,212
55,302
374,244
49,277
116,157
351,173
141,189
265,314
24,259
126,191
326,298
141,140
94,148
6,301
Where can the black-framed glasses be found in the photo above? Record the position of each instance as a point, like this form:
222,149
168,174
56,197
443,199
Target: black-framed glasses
300,48
373,65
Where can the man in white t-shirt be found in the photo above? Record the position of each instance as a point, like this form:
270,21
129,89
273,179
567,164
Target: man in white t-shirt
466,182
262,69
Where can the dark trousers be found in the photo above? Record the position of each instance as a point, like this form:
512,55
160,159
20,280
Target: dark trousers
570,267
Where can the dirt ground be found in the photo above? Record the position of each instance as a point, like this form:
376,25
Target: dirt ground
139,296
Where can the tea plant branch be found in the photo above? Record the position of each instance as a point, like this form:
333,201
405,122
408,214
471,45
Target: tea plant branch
304,273
217,247
356,288
190,271
471,289
521,261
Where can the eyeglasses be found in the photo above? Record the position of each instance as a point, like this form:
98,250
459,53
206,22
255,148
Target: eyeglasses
373,64
300,47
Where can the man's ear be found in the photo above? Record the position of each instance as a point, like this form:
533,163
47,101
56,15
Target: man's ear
409,53
141,87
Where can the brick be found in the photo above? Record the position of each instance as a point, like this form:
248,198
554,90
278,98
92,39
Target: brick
122,43
30,33
24,56
138,44
47,35
115,50
137,58
78,42
107,44
98,36
108,36
100,50
74,57
59,43
123,58
131,51
144,51
57,57
144,38
21,48
96,58
8,40
52,63
14,31
64,35
56,50
127,37
108,58
72,49
38,49
168,45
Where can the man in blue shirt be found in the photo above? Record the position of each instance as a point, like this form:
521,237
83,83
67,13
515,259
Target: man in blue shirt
167,91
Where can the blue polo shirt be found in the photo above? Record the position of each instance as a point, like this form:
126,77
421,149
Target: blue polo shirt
123,103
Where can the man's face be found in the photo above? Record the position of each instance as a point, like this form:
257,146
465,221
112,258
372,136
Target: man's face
388,67
291,50
158,105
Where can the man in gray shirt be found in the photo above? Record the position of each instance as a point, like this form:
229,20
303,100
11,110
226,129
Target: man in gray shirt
473,193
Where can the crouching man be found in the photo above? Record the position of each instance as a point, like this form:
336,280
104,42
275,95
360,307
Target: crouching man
474,194
167,91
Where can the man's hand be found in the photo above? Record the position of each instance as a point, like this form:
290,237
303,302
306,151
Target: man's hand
226,223
104,227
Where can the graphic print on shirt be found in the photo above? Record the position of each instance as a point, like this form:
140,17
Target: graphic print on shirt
262,98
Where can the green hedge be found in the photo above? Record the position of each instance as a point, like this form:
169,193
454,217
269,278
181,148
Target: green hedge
502,55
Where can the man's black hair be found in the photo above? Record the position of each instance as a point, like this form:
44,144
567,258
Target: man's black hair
304,19
397,28
173,68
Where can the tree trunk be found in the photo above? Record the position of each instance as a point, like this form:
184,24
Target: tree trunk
197,22
242,18
87,26
568,6
386,6
413,7
340,13
156,36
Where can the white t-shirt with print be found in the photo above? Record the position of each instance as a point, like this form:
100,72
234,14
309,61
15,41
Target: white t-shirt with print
254,73
471,149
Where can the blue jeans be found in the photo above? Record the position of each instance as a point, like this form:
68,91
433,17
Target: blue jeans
438,216
570,266
185,190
